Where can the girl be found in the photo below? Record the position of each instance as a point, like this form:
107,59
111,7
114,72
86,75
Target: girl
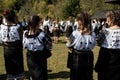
82,41
56,31
11,36
108,63
35,41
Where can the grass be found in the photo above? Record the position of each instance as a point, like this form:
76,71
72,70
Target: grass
57,69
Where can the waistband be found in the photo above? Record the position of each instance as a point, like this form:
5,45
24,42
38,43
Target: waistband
111,49
81,51
12,44
38,51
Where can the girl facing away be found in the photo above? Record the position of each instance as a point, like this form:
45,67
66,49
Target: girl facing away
35,41
81,42
11,38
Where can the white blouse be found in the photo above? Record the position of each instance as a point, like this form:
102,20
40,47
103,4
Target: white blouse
33,44
68,23
112,38
82,42
46,23
9,34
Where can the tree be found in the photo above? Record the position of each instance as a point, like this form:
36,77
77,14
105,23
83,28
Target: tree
70,8
18,4
1,6
8,3
92,6
50,1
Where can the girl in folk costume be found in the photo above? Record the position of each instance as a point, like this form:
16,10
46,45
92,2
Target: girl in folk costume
46,25
35,41
56,30
108,63
11,37
69,27
81,42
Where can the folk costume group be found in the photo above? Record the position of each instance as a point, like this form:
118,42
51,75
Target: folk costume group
80,42
14,39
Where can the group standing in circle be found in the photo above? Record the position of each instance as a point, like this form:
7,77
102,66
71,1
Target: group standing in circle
80,40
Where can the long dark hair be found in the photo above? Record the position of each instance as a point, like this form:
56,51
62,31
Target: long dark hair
85,20
33,22
10,16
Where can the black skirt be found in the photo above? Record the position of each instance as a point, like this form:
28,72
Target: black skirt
46,30
37,65
114,64
69,31
102,63
108,64
101,66
82,65
13,56
56,33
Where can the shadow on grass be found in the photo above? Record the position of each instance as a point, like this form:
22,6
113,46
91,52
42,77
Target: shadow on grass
62,74
61,42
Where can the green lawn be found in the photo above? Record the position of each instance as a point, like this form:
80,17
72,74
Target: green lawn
57,69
